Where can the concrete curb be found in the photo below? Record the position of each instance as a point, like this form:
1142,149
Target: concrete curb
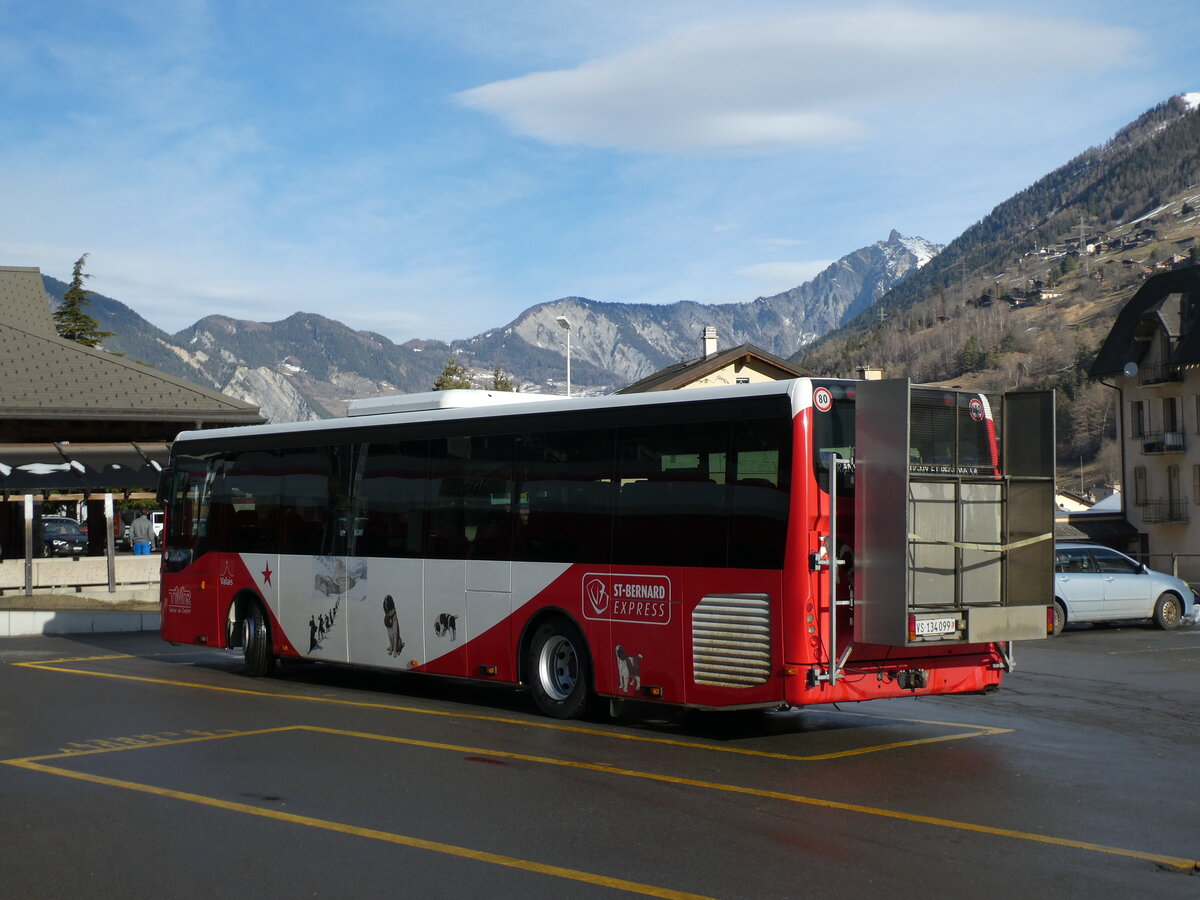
25,622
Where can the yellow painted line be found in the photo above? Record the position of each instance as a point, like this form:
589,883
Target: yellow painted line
971,731
36,763
403,840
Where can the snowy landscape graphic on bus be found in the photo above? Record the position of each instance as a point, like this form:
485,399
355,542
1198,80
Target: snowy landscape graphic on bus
770,545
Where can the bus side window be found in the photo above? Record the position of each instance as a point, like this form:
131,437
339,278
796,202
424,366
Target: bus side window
759,504
471,499
391,499
565,487
671,509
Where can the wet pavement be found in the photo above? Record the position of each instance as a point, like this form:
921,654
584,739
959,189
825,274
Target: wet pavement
130,765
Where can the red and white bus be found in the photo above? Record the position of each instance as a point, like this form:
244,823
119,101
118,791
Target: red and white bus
769,545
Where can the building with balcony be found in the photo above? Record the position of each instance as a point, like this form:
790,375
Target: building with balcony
1152,358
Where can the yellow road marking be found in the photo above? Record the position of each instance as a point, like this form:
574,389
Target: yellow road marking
403,840
36,763
971,730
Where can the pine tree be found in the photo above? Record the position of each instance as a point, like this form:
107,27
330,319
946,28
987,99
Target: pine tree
71,321
454,376
501,382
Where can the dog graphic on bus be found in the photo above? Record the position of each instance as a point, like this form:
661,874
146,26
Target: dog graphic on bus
629,670
392,624
445,624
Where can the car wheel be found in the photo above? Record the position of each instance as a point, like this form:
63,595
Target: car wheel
1060,617
559,671
1168,612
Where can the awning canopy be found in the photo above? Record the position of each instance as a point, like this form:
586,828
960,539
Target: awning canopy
89,468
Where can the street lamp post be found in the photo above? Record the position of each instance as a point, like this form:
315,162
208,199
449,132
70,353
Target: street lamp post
565,324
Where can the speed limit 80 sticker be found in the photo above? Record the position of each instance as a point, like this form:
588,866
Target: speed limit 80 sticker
823,399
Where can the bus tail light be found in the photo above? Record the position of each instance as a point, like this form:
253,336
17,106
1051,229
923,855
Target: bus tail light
1049,620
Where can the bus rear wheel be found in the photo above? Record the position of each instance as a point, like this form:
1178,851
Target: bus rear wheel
256,643
559,670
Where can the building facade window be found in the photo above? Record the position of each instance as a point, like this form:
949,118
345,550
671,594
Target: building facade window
1139,486
1172,420
1137,418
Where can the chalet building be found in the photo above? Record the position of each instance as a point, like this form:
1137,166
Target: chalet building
78,423
744,364
1152,357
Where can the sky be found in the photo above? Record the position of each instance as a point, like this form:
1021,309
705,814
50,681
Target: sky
432,169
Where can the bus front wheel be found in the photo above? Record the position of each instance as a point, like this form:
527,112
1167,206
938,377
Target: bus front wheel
558,670
256,643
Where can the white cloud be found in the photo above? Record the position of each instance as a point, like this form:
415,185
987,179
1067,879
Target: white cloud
789,81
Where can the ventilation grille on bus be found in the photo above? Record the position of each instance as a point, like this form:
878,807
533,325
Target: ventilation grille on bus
731,640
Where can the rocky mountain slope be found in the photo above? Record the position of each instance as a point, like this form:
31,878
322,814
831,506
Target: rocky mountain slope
307,366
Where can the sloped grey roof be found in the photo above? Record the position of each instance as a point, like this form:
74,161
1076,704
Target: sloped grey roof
23,300
43,376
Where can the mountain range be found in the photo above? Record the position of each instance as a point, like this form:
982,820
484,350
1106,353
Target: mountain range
308,366
886,304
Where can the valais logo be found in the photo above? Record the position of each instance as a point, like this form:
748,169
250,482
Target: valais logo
627,598
179,600
226,578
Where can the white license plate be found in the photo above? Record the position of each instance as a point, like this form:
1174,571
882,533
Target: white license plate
936,626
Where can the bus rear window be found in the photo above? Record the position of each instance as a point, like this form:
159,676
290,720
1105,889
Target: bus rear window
833,433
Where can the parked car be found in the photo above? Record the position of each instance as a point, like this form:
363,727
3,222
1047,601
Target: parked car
61,536
1098,584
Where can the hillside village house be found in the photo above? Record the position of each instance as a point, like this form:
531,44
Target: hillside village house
1152,357
744,364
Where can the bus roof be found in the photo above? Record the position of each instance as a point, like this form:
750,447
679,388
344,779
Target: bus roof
452,399
484,409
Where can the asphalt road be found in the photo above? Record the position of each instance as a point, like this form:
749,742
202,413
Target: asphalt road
130,767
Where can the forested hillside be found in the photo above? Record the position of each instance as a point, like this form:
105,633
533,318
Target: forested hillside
1024,297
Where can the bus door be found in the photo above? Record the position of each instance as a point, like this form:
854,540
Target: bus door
189,590
468,572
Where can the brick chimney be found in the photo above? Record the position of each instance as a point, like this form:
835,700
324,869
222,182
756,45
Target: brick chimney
710,341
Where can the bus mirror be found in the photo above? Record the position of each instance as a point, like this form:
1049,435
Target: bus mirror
165,480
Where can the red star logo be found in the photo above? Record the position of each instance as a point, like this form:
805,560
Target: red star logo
266,574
